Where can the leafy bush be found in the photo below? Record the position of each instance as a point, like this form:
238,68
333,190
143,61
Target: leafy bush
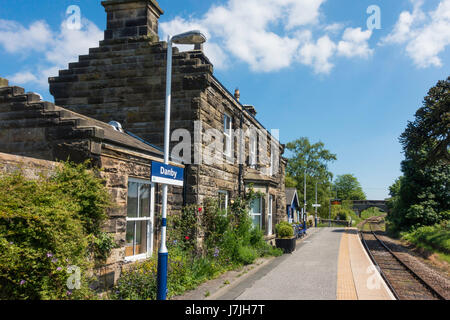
230,240
185,272
284,231
342,215
247,255
282,223
138,282
434,238
48,225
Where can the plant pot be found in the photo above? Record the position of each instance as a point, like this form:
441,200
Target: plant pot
287,245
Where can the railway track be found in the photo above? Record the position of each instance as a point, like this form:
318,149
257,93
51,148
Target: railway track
404,283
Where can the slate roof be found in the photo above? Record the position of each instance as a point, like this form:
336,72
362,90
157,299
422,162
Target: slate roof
290,194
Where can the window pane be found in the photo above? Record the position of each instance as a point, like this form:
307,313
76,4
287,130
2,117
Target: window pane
256,221
253,153
223,197
129,239
141,237
227,124
227,144
256,206
144,198
132,204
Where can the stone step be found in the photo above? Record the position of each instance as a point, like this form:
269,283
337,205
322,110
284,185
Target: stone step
28,149
67,132
29,123
22,114
11,91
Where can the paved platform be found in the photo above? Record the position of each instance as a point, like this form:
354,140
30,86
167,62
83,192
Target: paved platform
358,279
330,264
309,273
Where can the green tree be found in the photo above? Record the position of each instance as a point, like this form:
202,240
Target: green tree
348,187
430,131
315,159
421,197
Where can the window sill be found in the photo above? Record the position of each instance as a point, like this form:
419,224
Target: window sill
137,258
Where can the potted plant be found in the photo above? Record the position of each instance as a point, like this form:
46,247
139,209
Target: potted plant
285,239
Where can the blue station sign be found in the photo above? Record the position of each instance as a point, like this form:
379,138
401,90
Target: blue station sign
167,174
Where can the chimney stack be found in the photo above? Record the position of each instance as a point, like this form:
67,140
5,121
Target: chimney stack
237,94
132,18
251,109
4,82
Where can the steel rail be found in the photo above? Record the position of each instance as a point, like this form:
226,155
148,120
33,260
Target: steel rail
414,274
383,275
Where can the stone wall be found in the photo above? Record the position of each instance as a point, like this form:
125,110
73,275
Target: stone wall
117,168
31,168
33,133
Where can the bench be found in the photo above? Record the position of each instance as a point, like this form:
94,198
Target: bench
299,230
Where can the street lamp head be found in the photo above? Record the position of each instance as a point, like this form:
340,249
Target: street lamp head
190,37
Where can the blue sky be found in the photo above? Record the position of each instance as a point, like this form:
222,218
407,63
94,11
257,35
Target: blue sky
312,68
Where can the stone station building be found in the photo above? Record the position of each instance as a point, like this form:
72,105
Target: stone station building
123,79
34,134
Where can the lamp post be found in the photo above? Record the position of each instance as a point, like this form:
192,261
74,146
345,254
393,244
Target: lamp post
304,199
196,38
315,216
335,198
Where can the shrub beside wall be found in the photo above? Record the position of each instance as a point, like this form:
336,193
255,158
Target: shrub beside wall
48,225
229,241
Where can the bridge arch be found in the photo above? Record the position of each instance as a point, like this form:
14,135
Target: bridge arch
360,205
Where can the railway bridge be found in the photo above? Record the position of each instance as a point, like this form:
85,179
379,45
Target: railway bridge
361,205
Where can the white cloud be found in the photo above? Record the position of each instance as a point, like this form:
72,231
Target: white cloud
23,77
268,35
52,50
318,54
16,38
334,28
424,34
354,43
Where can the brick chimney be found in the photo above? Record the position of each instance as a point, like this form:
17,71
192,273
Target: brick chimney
132,18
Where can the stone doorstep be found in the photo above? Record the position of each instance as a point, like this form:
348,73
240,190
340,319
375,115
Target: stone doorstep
217,287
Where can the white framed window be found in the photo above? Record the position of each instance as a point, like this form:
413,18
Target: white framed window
227,131
253,150
140,219
270,216
256,208
223,199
